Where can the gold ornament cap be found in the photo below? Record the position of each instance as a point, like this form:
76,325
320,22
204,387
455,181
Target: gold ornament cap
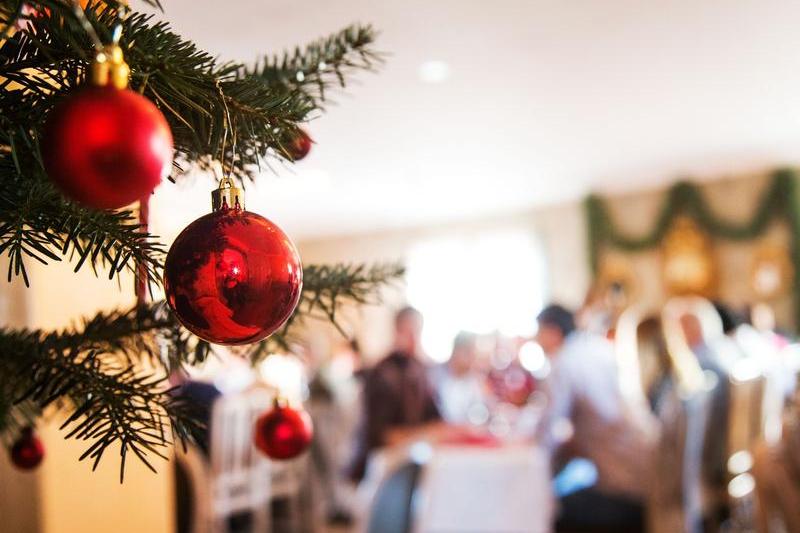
227,196
109,68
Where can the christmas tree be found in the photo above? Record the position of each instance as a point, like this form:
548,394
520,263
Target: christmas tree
237,116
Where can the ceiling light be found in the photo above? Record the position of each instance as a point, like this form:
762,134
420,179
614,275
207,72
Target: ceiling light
434,71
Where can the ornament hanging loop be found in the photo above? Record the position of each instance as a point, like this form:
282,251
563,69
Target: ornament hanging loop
109,68
227,195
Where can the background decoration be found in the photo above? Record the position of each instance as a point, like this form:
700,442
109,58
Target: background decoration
28,450
771,271
779,203
614,288
283,432
300,145
687,260
616,283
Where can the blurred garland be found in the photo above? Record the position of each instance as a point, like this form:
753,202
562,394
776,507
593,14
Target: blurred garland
779,201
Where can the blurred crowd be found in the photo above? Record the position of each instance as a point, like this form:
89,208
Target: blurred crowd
682,419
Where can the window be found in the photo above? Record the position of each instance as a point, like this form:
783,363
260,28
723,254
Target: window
484,283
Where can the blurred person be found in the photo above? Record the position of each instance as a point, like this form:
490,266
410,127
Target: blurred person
725,344
702,340
398,400
333,395
655,363
587,417
458,386
766,350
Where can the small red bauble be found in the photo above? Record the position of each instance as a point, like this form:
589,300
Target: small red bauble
232,277
28,451
283,433
106,147
300,145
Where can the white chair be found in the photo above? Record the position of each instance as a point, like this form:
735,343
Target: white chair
239,473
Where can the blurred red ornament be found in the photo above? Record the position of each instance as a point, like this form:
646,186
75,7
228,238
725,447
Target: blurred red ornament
28,451
232,276
512,384
106,146
283,433
300,145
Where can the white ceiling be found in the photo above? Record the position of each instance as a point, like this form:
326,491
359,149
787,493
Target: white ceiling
546,100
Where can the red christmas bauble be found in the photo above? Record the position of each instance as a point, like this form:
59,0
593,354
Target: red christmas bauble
106,147
232,277
28,451
300,145
283,432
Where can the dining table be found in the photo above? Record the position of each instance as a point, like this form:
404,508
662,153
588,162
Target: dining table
474,486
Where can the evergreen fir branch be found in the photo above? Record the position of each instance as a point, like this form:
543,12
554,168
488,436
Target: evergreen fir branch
325,63
195,91
107,400
37,223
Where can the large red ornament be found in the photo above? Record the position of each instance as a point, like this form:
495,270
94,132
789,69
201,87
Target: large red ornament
232,276
106,146
300,145
28,451
283,433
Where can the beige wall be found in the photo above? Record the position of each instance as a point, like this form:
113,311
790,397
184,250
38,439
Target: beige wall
19,501
63,495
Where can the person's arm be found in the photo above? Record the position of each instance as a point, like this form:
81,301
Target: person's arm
379,410
559,393
431,431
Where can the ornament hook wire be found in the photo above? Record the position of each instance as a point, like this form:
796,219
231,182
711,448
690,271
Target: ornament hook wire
226,127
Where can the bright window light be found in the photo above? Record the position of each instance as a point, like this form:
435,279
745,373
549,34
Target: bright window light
491,282
533,359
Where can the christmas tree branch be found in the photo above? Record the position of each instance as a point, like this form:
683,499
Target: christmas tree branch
322,64
107,400
37,223
207,103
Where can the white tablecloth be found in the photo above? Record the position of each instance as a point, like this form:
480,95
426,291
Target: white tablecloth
485,490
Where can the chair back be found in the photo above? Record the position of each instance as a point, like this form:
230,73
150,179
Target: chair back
746,415
676,495
392,506
193,467
240,473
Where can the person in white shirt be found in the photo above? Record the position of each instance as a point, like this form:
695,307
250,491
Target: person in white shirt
459,388
587,417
